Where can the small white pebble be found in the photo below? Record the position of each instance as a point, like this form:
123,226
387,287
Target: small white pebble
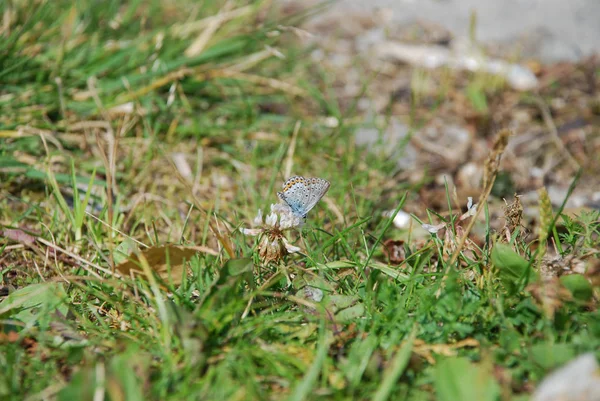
402,219
332,122
313,294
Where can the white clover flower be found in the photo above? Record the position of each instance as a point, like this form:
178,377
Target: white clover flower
272,244
471,211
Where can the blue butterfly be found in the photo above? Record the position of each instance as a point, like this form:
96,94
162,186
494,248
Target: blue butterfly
302,194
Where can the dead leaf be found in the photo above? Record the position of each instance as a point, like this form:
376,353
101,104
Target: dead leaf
19,236
394,250
10,337
425,350
167,261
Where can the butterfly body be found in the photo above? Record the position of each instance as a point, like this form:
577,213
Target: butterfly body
302,194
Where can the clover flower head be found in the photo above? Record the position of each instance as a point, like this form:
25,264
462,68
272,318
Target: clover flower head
273,245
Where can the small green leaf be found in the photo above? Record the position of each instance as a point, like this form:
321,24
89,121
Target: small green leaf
35,303
390,271
337,264
550,355
303,280
350,314
337,302
511,267
459,379
580,287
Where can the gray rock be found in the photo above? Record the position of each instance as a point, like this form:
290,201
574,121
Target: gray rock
551,30
576,381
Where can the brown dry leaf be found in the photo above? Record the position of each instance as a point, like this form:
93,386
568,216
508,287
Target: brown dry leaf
19,236
167,261
425,350
394,250
10,337
302,353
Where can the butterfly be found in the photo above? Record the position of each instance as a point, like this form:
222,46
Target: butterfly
302,194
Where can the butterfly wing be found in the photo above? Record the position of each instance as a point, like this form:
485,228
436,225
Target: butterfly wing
317,188
302,194
293,191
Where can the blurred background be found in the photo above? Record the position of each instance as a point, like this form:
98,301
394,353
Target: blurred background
446,75
551,30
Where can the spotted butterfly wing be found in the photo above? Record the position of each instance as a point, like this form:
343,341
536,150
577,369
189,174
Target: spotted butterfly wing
302,194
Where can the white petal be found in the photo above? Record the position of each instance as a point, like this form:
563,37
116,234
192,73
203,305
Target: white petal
289,247
469,202
251,231
433,229
290,220
271,220
258,220
473,210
